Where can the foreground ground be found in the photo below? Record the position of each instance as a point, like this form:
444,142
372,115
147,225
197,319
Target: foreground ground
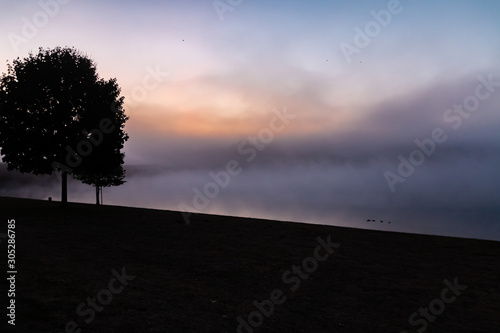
202,276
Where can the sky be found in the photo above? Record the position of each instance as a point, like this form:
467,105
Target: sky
329,112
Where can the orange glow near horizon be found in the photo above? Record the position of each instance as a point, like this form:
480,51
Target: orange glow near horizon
212,108
209,122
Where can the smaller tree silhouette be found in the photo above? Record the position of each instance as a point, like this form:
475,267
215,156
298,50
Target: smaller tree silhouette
104,166
103,177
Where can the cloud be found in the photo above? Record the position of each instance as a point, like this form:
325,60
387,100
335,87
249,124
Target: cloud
320,174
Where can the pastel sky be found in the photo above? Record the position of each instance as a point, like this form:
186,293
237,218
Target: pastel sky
224,69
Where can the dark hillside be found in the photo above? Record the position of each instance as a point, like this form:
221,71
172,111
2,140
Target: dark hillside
201,277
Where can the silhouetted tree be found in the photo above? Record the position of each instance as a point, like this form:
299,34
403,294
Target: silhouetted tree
104,169
57,115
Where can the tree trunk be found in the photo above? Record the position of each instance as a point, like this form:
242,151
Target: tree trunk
97,195
64,193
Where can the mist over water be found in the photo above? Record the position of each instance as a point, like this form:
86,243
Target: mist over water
343,195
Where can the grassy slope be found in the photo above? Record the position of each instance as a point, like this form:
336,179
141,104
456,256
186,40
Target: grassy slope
200,277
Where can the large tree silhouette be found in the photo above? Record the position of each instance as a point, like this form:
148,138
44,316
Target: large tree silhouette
57,115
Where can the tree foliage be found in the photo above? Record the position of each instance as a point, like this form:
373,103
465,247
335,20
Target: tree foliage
57,114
